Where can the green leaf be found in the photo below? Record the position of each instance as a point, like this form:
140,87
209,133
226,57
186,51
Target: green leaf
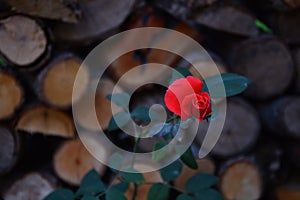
189,159
121,117
123,187
262,26
183,71
91,184
200,181
89,197
60,194
234,84
184,196
2,61
114,194
135,177
208,194
159,155
158,191
171,171
120,99
141,113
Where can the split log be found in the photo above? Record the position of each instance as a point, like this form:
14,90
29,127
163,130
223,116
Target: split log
32,186
57,80
11,94
67,11
98,18
241,180
150,177
72,161
183,9
204,64
205,166
39,119
23,41
228,18
277,5
267,63
240,131
281,116
9,150
132,59
103,107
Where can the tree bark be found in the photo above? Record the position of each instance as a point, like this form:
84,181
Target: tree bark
32,186
9,150
66,10
228,18
98,18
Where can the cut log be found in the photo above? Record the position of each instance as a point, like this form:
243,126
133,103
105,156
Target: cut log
66,10
72,161
23,41
128,61
296,56
281,116
241,180
205,166
150,177
132,59
183,9
98,18
103,107
204,64
47,121
277,5
267,63
240,131
32,186
57,80
227,18
11,95
9,150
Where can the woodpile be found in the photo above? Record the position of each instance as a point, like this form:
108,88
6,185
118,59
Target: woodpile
43,45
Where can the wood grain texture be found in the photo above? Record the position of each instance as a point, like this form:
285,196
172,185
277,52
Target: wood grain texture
22,40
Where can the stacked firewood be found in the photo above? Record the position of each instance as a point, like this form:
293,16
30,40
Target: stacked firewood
42,46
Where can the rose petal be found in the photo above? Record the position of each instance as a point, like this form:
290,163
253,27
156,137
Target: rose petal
179,89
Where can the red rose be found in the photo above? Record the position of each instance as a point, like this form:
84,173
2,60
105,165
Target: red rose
184,98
